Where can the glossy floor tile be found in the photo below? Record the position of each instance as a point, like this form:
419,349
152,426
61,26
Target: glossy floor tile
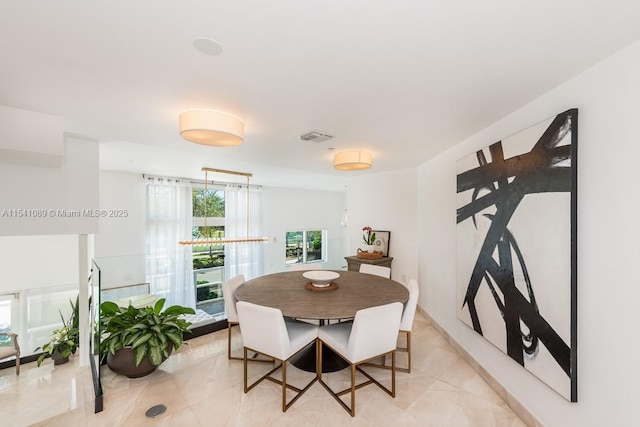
200,387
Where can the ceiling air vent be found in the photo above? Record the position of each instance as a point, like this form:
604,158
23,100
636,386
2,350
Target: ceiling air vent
315,136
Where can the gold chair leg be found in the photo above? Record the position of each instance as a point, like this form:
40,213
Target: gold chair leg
393,374
230,357
284,386
336,395
406,349
318,359
282,365
229,325
353,390
244,359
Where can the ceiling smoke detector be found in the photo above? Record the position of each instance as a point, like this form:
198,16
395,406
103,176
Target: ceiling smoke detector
315,136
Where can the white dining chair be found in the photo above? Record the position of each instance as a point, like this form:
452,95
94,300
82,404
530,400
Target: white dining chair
406,323
377,270
373,333
11,350
265,331
229,293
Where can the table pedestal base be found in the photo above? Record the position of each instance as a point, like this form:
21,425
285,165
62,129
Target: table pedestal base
306,359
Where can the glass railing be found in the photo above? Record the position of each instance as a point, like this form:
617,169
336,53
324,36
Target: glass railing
33,314
94,333
208,288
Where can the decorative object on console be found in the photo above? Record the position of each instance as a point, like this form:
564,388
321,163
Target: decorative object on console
516,252
381,241
368,255
369,238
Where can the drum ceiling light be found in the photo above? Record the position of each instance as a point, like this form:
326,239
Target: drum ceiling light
210,127
352,160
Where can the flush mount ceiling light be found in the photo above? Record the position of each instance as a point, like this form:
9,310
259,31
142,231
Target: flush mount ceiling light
210,127
352,160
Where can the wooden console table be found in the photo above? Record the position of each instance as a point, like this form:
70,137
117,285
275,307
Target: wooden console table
353,262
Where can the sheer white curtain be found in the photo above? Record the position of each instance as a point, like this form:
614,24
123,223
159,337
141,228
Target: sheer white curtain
169,268
243,258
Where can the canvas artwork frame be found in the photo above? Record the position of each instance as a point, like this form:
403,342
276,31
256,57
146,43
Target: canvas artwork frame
516,236
381,243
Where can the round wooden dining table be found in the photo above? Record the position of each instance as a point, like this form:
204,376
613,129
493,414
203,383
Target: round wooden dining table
288,292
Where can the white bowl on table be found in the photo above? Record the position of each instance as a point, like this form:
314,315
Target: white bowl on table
320,278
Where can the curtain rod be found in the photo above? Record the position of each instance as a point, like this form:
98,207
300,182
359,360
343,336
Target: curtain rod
200,181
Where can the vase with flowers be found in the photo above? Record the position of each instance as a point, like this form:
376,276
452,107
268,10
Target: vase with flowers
369,238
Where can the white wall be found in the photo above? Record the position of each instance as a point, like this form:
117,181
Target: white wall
388,202
607,97
290,210
45,193
120,244
30,262
31,138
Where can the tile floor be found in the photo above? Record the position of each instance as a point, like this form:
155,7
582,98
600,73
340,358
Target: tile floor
200,387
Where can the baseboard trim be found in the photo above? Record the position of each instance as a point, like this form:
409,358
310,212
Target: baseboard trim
516,406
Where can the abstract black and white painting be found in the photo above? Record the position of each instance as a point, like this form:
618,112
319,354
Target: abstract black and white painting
516,248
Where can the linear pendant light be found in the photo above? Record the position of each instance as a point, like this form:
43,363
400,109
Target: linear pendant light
210,127
224,241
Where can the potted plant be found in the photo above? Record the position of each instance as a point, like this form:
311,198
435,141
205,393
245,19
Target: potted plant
369,238
64,341
137,340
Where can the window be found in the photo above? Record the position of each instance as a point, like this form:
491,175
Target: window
34,313
208,260
305,246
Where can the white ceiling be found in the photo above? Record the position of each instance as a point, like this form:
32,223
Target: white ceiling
404,79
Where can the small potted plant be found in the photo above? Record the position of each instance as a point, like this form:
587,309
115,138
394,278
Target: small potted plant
369,238
64,341
137,340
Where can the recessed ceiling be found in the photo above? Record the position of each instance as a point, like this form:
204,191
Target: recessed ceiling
402,80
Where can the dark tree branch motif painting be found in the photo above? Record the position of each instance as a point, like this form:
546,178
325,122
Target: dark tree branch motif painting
493,192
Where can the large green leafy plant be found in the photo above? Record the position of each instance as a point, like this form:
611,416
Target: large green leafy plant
148,331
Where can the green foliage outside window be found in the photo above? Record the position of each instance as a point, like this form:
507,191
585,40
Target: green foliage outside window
208,203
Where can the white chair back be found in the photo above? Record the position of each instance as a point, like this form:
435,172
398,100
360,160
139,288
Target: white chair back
378,270
410,308
374,332
264,330
229,293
